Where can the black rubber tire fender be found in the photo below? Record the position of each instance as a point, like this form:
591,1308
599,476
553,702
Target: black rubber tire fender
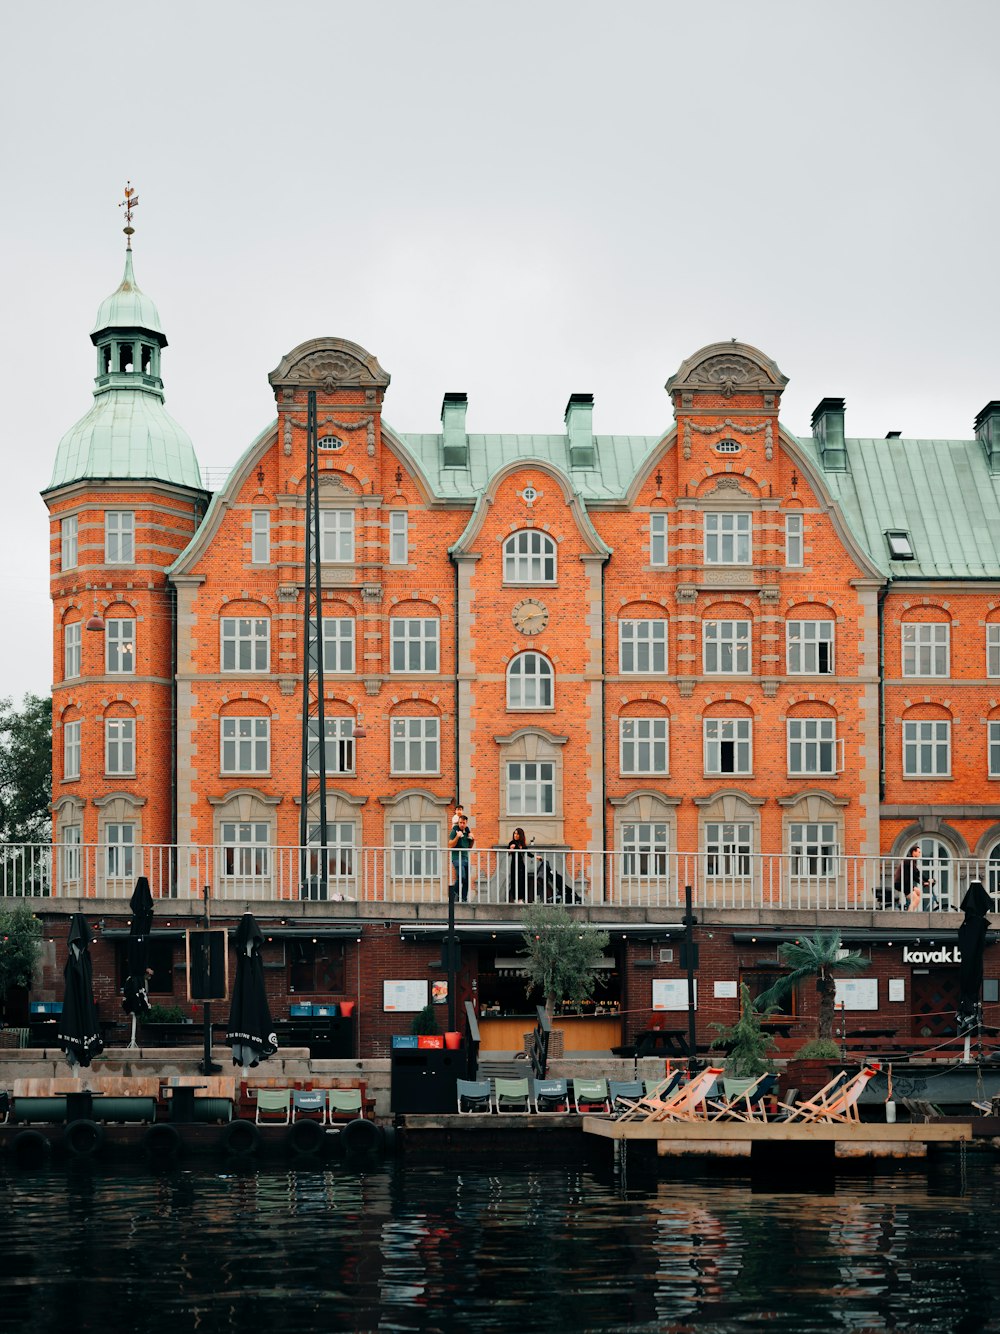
361,1137
306,1137
162,1142
83,1138
241,1139
30,1147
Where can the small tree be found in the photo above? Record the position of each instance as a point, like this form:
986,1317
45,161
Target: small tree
561,956
25,770
820,956
748,1045
425,1021
20,946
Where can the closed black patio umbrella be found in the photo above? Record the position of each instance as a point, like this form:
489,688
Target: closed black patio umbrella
136,998
79,1031
971,942
250,1032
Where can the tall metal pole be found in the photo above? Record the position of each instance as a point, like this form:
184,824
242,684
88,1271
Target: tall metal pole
451,956
690,951
313,691
207,1067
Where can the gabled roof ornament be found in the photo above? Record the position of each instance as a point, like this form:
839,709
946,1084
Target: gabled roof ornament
130,202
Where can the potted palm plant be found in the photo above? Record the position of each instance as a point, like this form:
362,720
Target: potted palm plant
747,1044
822,957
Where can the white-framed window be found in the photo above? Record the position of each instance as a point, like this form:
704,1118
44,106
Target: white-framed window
119,537
245,745
71,750
645,848
926,648
260,537
726,647
246,643
993,748
416,745
529,557
813,849
993,649
809,647
728,745
812,745
644,745
339,747
727,538
399,537
341,846
72,649
642,647
415,643
926,749
338,645
794,541
728,849
416,850
336,536
119,842
658,538
69,547
531,787
246,849
119,745
530,682
119,646
70,849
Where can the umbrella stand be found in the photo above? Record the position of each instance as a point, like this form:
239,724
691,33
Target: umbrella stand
207,1066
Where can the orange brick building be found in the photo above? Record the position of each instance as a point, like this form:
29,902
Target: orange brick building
718,655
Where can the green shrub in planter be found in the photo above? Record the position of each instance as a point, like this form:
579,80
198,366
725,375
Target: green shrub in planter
164,1014
819,1049
748,1046
425,1021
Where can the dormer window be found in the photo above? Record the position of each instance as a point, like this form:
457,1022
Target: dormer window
329,442
728,447
900,546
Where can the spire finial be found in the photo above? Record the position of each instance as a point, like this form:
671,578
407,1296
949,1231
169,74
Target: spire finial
130,202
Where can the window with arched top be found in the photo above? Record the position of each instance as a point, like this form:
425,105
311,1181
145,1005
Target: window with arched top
530,682
529,557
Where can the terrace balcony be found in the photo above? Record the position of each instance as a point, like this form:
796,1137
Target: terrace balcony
817,880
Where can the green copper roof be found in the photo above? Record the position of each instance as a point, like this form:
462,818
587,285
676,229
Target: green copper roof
939,491
127,307
126,434
618,459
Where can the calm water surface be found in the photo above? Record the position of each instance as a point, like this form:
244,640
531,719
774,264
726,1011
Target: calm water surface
409,1247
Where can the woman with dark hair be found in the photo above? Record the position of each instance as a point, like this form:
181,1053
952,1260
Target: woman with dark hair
910,882
517,871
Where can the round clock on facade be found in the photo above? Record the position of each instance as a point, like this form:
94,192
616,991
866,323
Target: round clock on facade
530,616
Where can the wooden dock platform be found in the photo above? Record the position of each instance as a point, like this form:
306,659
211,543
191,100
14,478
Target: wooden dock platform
869,1139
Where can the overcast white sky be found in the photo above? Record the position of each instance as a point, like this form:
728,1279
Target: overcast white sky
520,201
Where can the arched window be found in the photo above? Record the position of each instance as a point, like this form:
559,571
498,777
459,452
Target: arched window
530,682
993,875
529,557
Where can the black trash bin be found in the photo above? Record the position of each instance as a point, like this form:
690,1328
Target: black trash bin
424,1079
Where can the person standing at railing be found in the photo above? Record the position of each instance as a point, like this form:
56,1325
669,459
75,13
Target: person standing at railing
517,870
910,881
462,839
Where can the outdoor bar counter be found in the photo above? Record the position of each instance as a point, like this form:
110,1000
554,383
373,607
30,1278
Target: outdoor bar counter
581,1032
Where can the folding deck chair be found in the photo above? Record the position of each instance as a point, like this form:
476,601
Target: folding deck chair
273,1106
511,1095
590,1095
474,1095
745,1106
309,1105
842,1105
655,1096
550,1095
685,1103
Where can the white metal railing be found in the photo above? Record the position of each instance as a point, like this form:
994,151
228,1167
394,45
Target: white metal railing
639,879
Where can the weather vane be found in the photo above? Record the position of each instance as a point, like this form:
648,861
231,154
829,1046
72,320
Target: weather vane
130,202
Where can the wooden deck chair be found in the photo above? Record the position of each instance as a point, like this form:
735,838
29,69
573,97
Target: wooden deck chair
273,1106
474,1096
511,1095
655,1096
688,1102
550,1095
309,1105
793,1110
629,1089
344,1105
745,1106
842,1106
590,1095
